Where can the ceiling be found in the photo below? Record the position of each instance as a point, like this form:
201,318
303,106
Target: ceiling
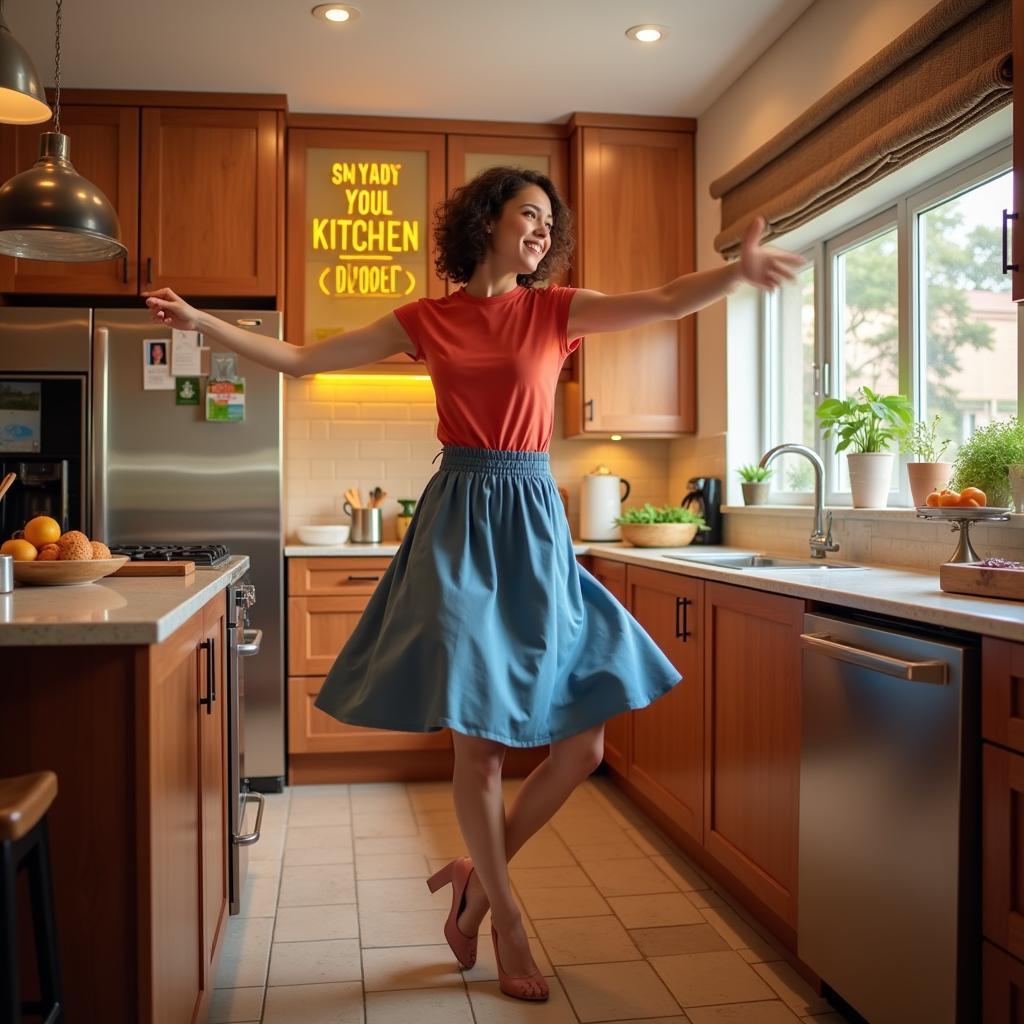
531,60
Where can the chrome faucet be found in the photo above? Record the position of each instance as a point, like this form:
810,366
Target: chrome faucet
821,536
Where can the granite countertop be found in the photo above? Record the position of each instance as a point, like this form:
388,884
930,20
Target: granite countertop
122,610
902,593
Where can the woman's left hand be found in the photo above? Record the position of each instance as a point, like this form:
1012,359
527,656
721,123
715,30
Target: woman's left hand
764,266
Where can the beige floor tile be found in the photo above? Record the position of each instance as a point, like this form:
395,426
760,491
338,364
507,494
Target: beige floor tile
544,851
492,1006
370,846
309,924
270,845
774,1012
792,989
391,865
825,1018
326,790
319,855
317,885
588,831
600,992
340,1003
319,812
764,954
591,940
401,928
379,894
632,877
314,963
704,898
308,837
686,938
236,1005
436,816
442,842
681,871
401,967
645,845
700,979
548,878
376,793
655,910
245,954
384,825
419,1006
259,895
621,848
570,901
739,933
432,800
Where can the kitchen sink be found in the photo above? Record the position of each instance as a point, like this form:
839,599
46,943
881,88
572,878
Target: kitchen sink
746,560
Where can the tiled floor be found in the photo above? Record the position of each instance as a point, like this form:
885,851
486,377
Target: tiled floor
338,927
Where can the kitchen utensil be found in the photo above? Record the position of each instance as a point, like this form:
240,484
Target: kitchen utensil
353,498
704,498
601,498
323,534
961,578
367,525
67,574
5,484
179,568
6,574
960,520
378,497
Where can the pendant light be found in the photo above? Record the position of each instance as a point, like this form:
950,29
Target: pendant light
22,100
50,212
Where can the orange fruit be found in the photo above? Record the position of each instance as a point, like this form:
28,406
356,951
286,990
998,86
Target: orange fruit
48,553
968,502
949,499
976,493
932,500
42,530
20,550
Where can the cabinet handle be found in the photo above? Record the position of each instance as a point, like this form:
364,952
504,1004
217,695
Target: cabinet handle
684,633
589,406
363,579
149,270
211,668
1007,266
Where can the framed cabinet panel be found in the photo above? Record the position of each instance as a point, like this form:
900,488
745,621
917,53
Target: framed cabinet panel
618,730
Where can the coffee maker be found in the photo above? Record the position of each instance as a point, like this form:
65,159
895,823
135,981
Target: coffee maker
705,499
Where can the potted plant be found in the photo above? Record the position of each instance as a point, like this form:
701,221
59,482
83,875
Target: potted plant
929,473
755,484
985,460
867,423
668,527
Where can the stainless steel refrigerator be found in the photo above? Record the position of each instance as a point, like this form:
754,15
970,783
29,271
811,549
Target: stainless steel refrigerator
161,472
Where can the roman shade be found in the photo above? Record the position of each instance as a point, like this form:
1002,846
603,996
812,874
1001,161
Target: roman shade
949,70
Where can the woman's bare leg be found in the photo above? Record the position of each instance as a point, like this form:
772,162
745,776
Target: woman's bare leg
544,790
480,809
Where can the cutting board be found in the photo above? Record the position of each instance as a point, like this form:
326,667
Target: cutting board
156,569
972,579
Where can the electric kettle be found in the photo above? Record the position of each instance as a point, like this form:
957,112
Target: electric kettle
601,498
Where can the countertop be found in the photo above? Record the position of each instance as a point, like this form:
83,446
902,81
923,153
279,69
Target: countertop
127,610
902,593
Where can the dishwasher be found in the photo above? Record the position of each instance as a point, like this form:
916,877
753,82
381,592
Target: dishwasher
888,883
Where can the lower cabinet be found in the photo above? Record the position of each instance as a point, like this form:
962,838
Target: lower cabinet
617,730
1002,986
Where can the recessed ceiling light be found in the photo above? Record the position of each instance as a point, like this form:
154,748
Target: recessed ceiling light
339,14
647,33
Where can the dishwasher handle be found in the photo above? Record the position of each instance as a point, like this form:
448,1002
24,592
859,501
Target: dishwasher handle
936,672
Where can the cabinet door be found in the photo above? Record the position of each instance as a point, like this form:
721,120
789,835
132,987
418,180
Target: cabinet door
209,215
1017,257
617,730
1002,692
178,960
317,630
310,731
752,739
635,222
667,757
1003,848
213,782
1002,996
105,151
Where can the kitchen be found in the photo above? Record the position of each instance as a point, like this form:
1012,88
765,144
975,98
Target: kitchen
361,806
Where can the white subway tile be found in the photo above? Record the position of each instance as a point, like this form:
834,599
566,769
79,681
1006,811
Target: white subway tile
384,411
384,450
412,430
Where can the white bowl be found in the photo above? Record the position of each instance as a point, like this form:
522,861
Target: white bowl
323,535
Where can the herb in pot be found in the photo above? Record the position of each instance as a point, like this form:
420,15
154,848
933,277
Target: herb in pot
752,474
647,513
922,441
866,422
985,458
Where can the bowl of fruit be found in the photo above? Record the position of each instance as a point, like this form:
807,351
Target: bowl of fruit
970,498
45,556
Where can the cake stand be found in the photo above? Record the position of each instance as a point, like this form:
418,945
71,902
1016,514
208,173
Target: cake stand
960,520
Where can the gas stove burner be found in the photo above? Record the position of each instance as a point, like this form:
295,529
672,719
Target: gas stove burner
201,554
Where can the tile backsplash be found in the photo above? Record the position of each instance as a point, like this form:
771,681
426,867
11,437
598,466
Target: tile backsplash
348,432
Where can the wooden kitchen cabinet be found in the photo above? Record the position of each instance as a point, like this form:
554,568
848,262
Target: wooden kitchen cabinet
197,190
667,755
1002,987
752,740
1002,849
1002,693
1017,233
633,193
618,730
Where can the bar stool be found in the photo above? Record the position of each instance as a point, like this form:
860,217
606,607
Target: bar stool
24,843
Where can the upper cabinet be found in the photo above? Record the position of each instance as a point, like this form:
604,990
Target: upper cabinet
197,191
634,201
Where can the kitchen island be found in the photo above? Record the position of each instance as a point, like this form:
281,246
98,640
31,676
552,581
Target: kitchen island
119,687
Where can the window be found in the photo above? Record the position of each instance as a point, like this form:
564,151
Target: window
913,301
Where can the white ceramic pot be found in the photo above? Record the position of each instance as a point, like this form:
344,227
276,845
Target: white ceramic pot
601,498
870,475
1017,485
926,477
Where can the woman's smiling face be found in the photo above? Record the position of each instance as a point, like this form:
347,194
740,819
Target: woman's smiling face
521,236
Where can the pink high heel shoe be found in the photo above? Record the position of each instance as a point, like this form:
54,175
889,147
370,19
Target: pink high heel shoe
518,987
457,872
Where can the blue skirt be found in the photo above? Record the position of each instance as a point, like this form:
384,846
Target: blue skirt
485,623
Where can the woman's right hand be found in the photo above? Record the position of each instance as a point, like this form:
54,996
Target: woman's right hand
171,310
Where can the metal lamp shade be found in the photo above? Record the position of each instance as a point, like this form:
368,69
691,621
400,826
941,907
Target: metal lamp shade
50,212
22,100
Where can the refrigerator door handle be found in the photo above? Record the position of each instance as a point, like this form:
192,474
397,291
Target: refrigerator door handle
100,355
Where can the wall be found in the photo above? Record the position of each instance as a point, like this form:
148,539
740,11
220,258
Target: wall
343,432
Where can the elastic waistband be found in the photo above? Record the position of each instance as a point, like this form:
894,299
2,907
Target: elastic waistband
502,463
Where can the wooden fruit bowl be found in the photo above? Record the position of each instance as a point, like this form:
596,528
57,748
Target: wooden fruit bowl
67,574
659,535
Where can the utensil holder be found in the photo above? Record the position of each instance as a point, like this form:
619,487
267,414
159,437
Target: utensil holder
367,525
6,574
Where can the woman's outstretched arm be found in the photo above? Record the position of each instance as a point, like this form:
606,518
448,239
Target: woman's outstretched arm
764,266
359,347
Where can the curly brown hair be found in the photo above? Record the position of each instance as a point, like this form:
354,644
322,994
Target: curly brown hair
460,230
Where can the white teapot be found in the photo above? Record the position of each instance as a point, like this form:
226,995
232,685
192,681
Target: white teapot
601,498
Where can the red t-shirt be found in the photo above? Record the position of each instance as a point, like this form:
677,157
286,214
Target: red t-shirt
494,363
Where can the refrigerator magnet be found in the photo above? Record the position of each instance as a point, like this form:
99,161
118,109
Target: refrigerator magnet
185,354
186,390
156,371
225,400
